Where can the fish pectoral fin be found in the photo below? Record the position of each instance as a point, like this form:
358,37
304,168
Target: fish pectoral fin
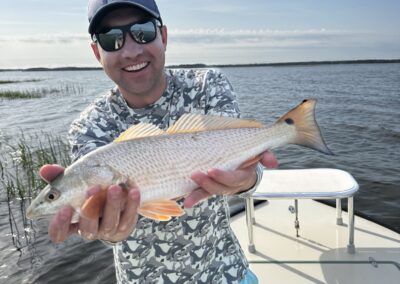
161,210
92,208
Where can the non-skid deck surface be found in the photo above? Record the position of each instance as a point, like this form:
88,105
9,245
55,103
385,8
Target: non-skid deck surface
319,255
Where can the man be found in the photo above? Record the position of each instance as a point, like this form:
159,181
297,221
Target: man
129,40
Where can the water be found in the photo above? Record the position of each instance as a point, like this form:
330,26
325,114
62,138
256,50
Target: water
358,111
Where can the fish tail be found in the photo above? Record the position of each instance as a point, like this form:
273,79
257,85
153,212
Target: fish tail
307,131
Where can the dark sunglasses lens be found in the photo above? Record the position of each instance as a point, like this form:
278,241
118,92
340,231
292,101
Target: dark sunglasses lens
111,40
144,33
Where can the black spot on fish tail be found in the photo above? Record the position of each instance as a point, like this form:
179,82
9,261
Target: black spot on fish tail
289,121
304,101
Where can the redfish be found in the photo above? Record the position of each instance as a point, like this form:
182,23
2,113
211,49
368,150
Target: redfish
160,162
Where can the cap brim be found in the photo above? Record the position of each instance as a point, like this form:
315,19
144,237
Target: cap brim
107,8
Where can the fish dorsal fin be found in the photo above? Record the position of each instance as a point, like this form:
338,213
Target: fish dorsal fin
139,131
189,123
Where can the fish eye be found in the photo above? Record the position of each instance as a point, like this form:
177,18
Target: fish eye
52,195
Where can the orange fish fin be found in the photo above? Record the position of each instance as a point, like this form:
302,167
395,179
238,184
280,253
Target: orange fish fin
139,131
154,216
92,207
308,134
161,210
251,162
189,123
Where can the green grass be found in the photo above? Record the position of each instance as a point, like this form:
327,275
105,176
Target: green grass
35,93
15,95
20,163
18,81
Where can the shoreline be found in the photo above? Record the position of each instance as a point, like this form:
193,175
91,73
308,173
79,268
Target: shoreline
201,65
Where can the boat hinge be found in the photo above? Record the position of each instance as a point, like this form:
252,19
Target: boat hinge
373,262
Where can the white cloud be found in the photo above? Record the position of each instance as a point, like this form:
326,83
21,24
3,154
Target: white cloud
225,38
268,38
46,38
212,46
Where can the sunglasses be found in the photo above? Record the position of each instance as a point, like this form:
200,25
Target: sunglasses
113,38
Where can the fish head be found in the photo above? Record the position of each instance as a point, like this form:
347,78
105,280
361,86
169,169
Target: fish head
56,195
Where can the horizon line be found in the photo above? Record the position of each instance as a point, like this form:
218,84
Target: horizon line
203,65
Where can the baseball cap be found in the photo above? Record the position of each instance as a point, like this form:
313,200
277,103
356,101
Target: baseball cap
97,9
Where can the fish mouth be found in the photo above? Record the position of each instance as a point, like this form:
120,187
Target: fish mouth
30,213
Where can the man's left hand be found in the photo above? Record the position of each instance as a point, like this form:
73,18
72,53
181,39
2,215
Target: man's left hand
218,182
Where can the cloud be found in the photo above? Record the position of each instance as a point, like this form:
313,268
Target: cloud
239,38
269,38
46,38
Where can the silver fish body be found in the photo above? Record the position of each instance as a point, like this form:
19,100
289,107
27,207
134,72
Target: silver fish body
161,165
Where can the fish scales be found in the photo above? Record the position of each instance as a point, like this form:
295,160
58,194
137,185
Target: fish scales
160,163
161,166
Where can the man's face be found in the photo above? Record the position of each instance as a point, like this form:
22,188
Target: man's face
137,69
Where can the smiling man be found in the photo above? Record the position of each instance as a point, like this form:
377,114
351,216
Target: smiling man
129,41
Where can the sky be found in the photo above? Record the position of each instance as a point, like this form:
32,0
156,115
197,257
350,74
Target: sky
50,33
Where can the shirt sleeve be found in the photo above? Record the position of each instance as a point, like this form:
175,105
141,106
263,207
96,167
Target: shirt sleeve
220,97
94,128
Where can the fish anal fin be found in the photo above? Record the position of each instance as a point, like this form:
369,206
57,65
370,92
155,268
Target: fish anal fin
139,131
161,210
189,123
153,216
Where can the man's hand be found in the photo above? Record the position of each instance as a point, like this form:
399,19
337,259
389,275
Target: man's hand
116,224
217,182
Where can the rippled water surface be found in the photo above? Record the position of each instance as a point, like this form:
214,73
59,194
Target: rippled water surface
358,111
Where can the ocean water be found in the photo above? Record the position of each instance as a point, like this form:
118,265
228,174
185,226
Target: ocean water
358,112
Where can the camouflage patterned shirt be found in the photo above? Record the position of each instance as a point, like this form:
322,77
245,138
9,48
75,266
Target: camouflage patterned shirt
200,246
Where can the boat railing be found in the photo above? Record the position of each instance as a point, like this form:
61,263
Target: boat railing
321,183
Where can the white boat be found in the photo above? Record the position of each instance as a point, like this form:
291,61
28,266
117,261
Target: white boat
317,246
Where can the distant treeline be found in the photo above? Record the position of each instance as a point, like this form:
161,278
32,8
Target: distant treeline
200,65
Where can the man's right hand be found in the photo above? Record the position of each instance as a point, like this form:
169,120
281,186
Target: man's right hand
116,224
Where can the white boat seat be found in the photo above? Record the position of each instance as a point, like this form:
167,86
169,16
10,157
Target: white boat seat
296,184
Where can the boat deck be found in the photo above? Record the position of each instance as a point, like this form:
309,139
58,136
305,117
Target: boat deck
319,254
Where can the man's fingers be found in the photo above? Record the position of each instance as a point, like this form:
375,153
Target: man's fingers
210,185
207,183
50,172
129,215
59,227
112,211
236,178
88,228
195,197
91,211
269,160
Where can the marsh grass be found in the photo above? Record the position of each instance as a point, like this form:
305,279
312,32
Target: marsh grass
18,81
15,95
36,93
20,163
20,181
